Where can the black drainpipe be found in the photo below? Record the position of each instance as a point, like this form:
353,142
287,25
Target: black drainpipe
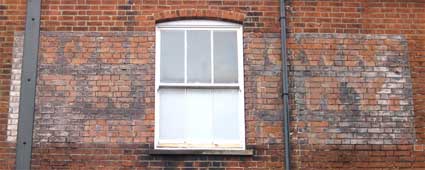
284,57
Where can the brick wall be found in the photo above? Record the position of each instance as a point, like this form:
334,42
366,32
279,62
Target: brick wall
356,76
15,86
351,89
95,88
357,70
12,14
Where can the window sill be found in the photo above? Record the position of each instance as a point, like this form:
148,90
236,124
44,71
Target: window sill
248,152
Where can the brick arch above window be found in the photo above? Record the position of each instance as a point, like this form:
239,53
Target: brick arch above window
210,14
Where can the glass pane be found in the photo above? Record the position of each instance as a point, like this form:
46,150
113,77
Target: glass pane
225,114
198,115
172,109
172,56
225,57
198,56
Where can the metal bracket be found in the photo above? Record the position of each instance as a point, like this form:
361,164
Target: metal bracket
28,83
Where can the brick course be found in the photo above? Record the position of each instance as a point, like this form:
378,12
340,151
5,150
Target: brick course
356,83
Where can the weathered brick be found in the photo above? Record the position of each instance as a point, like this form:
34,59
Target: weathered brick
356,83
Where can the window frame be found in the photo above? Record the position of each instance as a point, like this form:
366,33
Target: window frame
212,26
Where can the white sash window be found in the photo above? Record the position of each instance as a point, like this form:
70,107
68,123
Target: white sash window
199,102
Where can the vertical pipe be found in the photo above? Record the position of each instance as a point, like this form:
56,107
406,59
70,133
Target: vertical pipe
284,57
28,83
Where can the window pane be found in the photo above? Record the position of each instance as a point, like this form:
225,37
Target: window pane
172,109
225,57
172,56
225,114
198,115
198,56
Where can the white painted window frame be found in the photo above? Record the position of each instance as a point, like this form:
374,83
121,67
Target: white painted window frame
200,25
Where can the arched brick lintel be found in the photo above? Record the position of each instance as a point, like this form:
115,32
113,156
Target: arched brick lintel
213,14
